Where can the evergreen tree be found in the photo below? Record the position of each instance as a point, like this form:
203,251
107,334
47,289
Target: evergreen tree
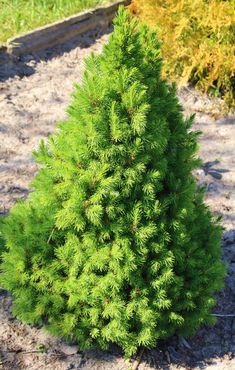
115,244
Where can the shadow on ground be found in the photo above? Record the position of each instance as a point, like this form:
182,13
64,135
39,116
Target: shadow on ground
25,65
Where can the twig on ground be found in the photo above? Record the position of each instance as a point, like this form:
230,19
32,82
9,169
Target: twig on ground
138,360
222,315
168,357
185,343
21,351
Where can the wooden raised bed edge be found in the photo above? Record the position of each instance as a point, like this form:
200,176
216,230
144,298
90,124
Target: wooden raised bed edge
60,31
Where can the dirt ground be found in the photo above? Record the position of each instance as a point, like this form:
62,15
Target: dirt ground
34,93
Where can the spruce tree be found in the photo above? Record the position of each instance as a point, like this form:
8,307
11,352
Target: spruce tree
115,244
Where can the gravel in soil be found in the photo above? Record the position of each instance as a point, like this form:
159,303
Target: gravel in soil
34,94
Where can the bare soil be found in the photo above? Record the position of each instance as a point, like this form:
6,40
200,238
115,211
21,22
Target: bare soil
34,94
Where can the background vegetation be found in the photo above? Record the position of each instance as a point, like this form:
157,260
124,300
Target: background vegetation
17,16
198,41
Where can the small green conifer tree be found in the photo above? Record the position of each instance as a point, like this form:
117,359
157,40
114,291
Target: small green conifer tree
115,245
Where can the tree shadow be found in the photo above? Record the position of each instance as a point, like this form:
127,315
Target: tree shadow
25,65
227,120
209,169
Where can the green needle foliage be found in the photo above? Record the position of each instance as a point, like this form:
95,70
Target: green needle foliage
115,244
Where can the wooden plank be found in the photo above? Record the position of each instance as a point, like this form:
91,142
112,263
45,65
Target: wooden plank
60,31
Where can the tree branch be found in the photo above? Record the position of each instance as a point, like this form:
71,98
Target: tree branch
138,359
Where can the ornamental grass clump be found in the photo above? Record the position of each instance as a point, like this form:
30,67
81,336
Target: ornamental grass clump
115,244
